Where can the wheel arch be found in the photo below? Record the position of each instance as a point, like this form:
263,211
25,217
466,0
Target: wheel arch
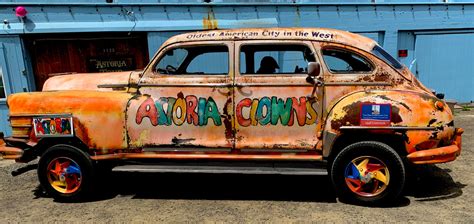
46,143
394,140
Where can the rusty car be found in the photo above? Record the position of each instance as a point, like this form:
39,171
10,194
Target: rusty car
259,101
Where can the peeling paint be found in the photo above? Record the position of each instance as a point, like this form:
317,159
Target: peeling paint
238,111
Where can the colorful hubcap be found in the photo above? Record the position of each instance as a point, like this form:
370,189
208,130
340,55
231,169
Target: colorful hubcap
64,175
367,176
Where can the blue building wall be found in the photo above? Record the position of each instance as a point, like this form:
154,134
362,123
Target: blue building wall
437,34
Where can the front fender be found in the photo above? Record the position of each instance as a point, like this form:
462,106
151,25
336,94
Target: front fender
417,116
98,117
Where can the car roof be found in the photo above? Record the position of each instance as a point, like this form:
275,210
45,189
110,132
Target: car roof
310,34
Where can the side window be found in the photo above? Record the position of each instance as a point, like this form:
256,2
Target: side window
343,61
275,59
204,60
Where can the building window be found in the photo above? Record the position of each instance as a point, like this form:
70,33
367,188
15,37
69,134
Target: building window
342,61
275,59
201,60
2,86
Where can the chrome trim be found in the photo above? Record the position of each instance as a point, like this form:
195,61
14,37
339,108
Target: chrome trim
275,150
22,126
266,84
187,85
184,149
112,85
270,84
20,136
357,84
40,115
386,128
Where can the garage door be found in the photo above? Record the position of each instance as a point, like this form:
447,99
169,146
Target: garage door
445,62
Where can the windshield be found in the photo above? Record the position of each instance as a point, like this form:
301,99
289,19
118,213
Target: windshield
382,54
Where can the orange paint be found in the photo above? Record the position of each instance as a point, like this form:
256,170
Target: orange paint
117,115
438,155
207,156
93,113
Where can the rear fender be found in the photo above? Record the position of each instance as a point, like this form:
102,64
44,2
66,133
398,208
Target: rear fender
417,117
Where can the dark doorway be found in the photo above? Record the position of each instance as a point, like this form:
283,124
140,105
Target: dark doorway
86,52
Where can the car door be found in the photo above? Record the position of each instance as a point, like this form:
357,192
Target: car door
185,100
273,107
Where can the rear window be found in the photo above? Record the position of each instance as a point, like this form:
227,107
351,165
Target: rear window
343,61
382,54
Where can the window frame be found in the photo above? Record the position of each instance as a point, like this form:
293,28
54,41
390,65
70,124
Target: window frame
5,80
307,44
3,84
380,53
352,51
162,53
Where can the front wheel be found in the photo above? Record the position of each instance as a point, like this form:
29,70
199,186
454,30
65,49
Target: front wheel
368,172
65,172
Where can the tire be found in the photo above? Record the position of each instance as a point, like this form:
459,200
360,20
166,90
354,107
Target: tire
380,183
66,173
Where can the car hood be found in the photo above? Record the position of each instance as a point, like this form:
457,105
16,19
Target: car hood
90,81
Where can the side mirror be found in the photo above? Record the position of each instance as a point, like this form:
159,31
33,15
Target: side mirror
314,69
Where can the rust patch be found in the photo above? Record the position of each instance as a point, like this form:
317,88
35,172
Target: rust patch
367,78
227,120
82,133
396,118
434,135
352,116
382,76
280,146
450,124
432,121
209,22
181,141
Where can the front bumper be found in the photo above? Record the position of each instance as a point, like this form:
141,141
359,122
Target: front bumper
17,149
439,155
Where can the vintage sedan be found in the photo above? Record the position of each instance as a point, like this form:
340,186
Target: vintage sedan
261,101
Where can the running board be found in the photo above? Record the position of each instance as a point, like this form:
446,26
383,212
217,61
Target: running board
221,169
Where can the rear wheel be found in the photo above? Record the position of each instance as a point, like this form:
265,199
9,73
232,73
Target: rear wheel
65,172
368,172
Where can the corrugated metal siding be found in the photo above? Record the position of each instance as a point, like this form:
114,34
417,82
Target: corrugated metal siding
12,66
156,39
386,19
241,1
444,63
4,124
